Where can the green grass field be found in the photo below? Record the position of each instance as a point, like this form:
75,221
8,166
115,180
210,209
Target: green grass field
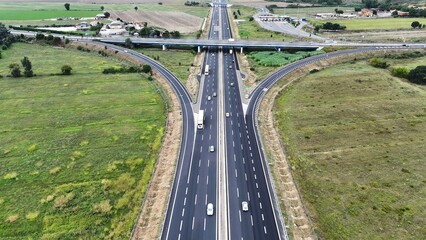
35,15
252,30
77,151
177,61
355,136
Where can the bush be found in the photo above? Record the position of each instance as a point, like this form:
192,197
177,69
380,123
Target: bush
146,68
378,63
401,72
417,75
314,70
103,207
66,70
61,202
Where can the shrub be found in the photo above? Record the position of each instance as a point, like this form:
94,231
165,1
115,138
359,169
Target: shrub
12,218
378,63
11,175
32,215
62,201
146,68
103,207
417,75
314,70
123,183
32,148
66,70
401,72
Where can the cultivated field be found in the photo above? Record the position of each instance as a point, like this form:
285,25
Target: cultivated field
355,138
172,21
76,151
377,24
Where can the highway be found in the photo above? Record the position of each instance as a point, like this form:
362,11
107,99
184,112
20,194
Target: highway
187,217
199,178
245,173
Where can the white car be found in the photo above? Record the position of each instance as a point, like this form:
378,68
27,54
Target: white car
214,94
211,149
209,98
244,206
232,84
227,114
210,209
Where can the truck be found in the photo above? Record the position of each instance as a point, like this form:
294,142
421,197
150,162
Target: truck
200,120
206,70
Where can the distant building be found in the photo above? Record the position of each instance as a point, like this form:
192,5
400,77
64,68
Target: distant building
400,13
82,26
100,16
114,28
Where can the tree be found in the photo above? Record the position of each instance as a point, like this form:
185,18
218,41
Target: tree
107,14
15,70
66,70
40,36
0,55
166,34
67,6
56,41
415,24
358,9
128,43
102,8
251,19
417,75
136,8
26,63
6,39
146,68
374,12
238,11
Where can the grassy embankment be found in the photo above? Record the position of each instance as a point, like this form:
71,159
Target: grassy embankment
252,30
308,12
355,139
76,151
264,63
176,61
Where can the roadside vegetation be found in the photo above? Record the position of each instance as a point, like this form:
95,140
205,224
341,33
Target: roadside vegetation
265,62
354,135
176,61
77,150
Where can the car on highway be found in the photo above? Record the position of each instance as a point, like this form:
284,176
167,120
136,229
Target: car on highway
210,209
214,94
211,148
231,84
209,98
244,206
227,114
230,66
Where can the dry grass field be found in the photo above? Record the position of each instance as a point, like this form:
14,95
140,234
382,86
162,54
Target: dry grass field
172,21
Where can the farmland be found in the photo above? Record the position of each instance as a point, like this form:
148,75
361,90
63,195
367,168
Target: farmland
355,138
376,24
76,151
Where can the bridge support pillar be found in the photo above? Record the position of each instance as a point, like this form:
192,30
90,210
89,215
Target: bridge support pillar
199,49
241,51
279,49
164,48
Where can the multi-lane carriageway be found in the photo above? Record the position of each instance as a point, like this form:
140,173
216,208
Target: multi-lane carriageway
242,173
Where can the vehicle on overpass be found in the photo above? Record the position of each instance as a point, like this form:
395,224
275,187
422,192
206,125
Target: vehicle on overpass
200,120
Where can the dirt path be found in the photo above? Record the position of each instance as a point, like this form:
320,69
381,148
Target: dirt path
192,83
296,212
